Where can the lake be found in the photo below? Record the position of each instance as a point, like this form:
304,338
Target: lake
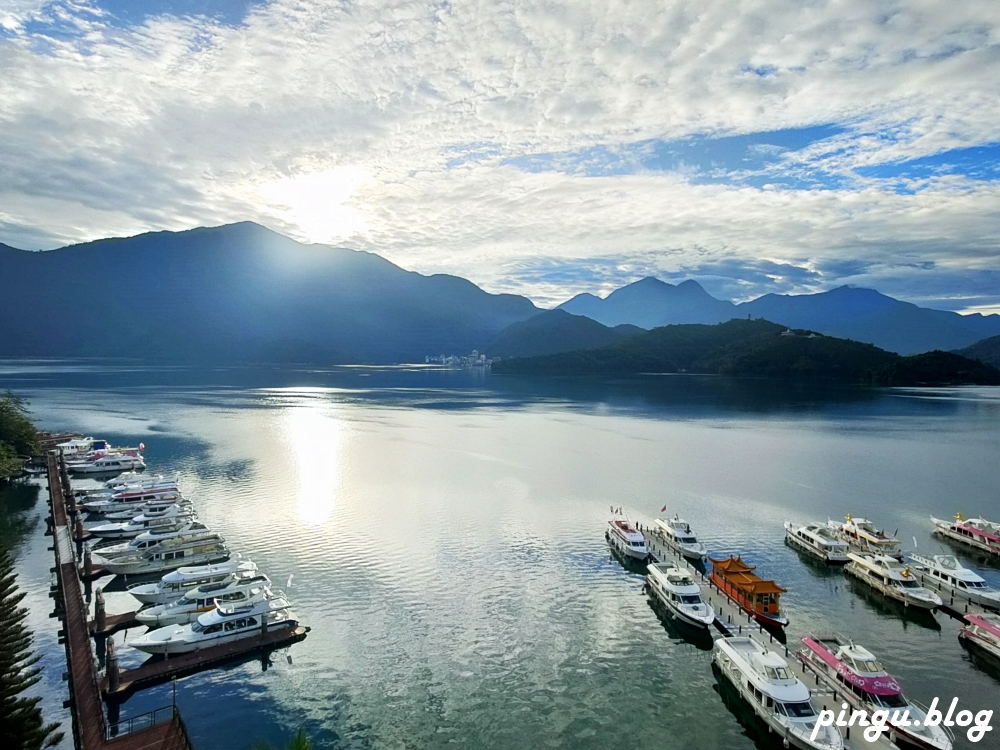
442,533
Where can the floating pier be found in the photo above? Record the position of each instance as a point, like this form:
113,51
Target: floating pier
160,730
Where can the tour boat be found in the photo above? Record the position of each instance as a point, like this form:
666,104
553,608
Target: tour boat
172,516
764,680
109,462
161,558
627,539
129,500
156,537
982,631
80,447
676,533
153,507
266,612
853,672
178,582
234,590
946,573
818,540
864,537
748,591
676,590
893,579
977,533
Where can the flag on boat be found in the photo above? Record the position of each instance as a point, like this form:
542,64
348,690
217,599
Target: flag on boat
663,509
142,446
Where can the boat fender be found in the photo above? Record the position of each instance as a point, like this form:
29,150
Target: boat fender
784,743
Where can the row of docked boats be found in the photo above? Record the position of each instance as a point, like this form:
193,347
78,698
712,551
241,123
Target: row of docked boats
93,456
206,596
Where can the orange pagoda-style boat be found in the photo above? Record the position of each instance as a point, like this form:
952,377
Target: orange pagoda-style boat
754,595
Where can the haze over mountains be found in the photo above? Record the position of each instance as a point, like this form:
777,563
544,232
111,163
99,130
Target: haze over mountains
242,293
860,314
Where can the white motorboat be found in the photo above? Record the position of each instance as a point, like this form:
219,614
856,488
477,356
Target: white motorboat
777,696
947,575
237,589
266,612
161,558
141,523
130,499
676,533
153,507
982,631
627,539
818,540
109,462
977,533
854,673
178,582
73,449
865,538
130,481
155,538
893,579
676,590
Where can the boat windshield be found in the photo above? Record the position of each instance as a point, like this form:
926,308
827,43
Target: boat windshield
691,598
801,710
197,627
868,665
778,673
889,701
906,583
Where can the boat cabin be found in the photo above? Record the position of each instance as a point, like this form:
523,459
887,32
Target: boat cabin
750,591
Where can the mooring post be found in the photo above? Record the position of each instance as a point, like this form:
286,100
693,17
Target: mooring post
100,616
88,563
111,667
263,624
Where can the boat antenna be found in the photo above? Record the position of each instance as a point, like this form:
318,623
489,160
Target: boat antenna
288,583
914,542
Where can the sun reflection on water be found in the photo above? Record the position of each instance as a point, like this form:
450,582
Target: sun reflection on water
316,439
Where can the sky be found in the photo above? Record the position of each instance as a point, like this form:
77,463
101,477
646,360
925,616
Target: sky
538,147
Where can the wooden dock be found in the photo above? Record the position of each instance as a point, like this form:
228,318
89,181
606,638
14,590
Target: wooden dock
158,672
90,728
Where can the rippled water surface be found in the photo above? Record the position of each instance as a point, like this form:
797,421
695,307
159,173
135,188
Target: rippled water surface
442,535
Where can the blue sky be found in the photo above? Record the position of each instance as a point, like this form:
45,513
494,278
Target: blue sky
545,149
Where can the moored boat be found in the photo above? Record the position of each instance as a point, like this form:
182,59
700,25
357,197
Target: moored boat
165,537
129,499
153,507
818,540
853,672
108,463
161,558
173,516
748,591
178,582
676,590
947,575
764,680
893,579
627,539
977,533
866,538
982,631
265,613
676,533
236,589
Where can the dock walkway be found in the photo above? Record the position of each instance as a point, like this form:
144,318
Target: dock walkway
90,729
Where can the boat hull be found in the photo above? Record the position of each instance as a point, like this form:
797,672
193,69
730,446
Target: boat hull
187,647
129,567
945,531
626,550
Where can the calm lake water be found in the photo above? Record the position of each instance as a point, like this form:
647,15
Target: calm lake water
442,533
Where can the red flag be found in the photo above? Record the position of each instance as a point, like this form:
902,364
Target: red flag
142,447
663,509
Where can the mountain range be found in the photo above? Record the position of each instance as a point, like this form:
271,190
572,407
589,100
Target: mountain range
242,293
859,314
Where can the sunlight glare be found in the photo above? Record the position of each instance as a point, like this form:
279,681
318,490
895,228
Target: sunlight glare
316,440
319,203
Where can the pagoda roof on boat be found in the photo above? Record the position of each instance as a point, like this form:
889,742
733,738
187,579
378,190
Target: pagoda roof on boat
741,575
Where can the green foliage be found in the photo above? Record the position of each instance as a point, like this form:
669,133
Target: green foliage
17,500
299,741
18,436
757,348
21,723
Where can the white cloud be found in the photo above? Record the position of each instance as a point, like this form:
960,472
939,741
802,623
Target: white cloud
337,122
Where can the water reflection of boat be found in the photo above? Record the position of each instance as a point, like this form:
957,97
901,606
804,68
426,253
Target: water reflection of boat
679,630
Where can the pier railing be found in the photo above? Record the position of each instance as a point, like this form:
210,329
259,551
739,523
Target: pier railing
142,722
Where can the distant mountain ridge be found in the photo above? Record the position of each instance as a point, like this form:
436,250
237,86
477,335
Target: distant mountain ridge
238,293
863,315
759,349
987,350
555,331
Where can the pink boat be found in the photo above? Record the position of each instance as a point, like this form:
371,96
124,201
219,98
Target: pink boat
983,631
856,675
978,533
